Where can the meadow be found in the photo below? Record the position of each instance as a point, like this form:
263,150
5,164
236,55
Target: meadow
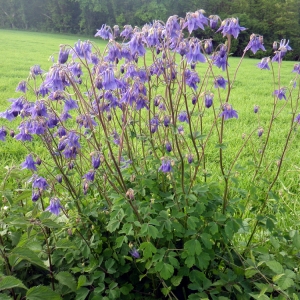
228,221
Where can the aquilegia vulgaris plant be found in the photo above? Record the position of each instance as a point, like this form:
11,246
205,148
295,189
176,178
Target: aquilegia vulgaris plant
134,195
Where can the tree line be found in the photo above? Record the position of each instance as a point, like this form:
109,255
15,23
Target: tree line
274,19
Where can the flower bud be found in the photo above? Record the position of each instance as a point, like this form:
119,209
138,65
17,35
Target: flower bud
130,194
256,108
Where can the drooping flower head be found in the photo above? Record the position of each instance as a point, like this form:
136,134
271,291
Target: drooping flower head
228,112
219,58
280,94
255,43
231,26
220,82
63,55
54,206
134,253
104,32
213,21
166,166
264,63
29,163
208,99
191,78
3,133
183,117
22,86
282,50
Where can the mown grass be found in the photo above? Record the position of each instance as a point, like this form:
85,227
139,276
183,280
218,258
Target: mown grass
251,87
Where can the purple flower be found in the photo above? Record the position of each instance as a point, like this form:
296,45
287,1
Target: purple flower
109,81
183,117
180,130
190,158
40,183
134,253
296,68
282,50
3,133
22,87
255,43
104,32
54,206
35,196
195,20
167,121
220,82
191,78
231,26
136,45
96,161
208,46
194,54
297,119
59,178
280,94
166,166
208,100
154,122
168,146
228,112
116,138
260,132
255,109
89,176
70,104
23,136
127,32
43,90
36,70
264,63
219,58
63,55
83,50
29,163
213,21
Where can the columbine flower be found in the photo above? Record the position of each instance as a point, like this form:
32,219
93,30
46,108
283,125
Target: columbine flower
134,253
96,161
191,78
54,206
166,166
282,50
194,55
183,117
280,93
264,63
231,26
63,55
297,119
255,43
208,99
296,68
40,183
109,80
213,21
3,133
168,146
208,46
59,178
260,132
195,20
167,121
104,32
220,82
180,130
36,70
228,112
22,87
219,58
154,122
35,196
89,176
29,163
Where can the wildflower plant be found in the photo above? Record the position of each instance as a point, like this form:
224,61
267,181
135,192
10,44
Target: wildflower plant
121,203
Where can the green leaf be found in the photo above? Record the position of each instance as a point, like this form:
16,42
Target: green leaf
126,289
190,261
29,255
65,278
152,231
65,244
167,271
81,293
42,292
113,225
166,291
175,280
284,282
193,247
120,240
81,281
192,222
205,238
51,224
250,273
148,248
275,266
296,241
9,282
